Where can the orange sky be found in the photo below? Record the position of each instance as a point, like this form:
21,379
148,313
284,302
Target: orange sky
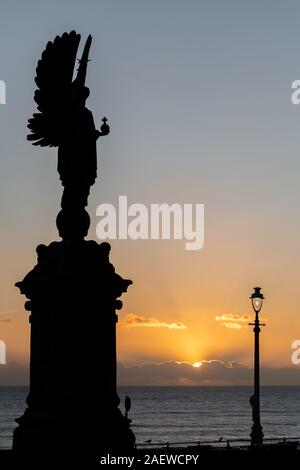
206,298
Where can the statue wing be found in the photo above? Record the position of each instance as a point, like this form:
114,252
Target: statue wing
54,75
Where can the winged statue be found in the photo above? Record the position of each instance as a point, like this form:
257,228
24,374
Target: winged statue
63,120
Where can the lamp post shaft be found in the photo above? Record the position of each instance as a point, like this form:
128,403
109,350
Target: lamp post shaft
256,432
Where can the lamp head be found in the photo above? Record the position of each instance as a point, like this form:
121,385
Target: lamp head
257,299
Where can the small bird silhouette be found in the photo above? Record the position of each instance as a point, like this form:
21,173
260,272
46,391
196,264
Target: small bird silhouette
127,406
148,441
127,403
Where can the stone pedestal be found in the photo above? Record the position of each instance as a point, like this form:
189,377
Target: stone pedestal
73,294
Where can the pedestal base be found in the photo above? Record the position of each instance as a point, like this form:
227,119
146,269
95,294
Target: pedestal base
73,405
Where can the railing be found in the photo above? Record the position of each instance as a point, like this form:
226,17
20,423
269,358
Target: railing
242,442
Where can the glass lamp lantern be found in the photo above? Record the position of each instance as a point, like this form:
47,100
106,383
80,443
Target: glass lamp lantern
257,299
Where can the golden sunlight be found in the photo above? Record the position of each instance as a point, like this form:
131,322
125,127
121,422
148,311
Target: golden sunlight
197,364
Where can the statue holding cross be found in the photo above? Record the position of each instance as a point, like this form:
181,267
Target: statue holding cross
65,122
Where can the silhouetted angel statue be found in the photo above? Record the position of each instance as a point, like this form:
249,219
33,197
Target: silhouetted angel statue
63,120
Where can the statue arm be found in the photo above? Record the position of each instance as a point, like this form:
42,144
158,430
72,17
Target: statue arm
104,129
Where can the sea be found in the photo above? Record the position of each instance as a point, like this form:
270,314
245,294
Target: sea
162,415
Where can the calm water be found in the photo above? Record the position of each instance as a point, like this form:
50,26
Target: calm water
172,414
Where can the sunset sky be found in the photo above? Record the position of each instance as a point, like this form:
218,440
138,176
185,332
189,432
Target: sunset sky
198,97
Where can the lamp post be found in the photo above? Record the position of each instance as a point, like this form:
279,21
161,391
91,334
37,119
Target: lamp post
256,432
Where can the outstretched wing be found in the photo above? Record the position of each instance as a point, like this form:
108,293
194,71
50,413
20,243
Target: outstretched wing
54,76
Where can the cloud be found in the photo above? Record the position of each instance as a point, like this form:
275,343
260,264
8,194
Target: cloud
13,373
211,373
234,326
8,312
132,320
236,322
5,313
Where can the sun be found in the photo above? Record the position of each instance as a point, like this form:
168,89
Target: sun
197,364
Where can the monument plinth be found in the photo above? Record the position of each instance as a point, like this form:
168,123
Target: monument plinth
73,291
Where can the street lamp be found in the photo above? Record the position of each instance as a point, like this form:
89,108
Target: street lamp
256,435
